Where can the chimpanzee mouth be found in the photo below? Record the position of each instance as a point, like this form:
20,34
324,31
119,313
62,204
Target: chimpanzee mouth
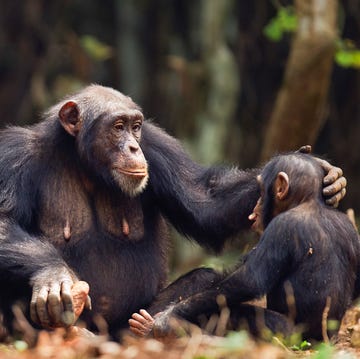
136,172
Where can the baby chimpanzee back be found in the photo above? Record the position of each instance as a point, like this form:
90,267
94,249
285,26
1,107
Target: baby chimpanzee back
306,261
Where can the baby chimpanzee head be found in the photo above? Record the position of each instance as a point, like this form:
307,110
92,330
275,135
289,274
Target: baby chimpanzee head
288,180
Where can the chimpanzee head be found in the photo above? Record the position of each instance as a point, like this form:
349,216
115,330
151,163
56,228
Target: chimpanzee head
286,181
106,126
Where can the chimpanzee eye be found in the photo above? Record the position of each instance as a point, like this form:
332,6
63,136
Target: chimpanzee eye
119,126
136,127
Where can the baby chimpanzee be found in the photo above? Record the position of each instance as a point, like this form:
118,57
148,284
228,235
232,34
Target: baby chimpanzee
308,255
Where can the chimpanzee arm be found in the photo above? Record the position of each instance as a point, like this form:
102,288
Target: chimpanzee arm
28,260
208,205
24,257
261,271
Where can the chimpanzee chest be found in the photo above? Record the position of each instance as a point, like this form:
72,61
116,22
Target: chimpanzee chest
71,212
109,242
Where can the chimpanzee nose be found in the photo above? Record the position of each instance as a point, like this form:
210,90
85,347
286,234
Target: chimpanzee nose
133,147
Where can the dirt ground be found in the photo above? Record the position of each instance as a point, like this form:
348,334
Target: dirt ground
78,344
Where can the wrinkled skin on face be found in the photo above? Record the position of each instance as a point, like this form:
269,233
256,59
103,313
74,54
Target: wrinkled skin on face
112,144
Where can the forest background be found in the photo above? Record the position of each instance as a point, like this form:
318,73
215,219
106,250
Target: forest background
235,81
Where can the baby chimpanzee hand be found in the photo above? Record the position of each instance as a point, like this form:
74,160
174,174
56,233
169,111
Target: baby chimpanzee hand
141,323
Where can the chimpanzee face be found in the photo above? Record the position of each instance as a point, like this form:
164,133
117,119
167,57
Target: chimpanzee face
127,162
109,143
256,215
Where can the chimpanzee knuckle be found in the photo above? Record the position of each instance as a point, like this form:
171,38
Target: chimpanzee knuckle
330,178
343,193
336,173
331,201
54,298
337,186
334,200
343,181
42,296
339,171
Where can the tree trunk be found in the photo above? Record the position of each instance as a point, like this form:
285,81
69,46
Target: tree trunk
301,102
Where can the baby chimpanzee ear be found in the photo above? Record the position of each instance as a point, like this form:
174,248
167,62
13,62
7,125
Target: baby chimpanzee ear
69,115
281,186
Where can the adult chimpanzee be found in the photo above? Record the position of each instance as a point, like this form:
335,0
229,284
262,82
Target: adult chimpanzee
308,252
79,200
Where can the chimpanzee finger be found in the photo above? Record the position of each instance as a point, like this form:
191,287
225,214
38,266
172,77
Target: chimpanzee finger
334,173
146,315
305,149
55,307
336,187
139,318
334,200
41,307
136,324
33,313
69,315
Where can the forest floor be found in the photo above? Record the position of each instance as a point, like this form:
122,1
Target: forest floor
71,345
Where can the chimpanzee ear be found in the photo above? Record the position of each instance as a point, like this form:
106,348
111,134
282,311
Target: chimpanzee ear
69,115
281,186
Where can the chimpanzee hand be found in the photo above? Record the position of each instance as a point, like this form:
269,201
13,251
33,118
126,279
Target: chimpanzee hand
52,302
334,181
141,323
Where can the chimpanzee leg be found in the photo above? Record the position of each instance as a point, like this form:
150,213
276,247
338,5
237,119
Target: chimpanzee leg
187,285
257,319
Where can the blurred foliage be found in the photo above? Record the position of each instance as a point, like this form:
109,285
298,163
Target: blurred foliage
284,22
304,345
96,49
236,340
347,55
323,351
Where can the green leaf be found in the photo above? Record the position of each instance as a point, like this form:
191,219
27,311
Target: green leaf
346,58
305,345
273,31
285,21
347,55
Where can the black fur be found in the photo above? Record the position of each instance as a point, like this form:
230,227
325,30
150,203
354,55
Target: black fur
310,251
43,183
